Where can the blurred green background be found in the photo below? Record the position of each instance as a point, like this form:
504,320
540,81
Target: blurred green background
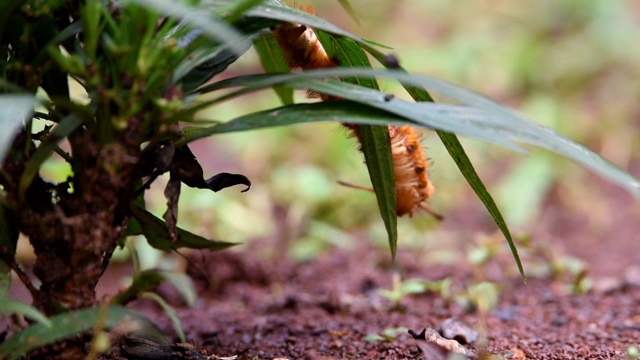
572,65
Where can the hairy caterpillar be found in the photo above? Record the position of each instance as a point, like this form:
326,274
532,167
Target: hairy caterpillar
301,46
303,50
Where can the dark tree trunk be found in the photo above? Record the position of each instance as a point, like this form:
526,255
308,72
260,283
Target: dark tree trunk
74,233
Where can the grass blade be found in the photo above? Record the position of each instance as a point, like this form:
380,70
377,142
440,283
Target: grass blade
16,108
171,313
459,156
8,306
273,61
70,324
494,122
212,28
66,126
376,147
157,234
374,140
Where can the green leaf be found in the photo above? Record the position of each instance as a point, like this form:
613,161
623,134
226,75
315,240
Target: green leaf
90,17
206,61
459,156
342,111
66,126
183,284
70,324
376,147
375,141
236,9
149,279
491,121
5,279
457,153
155,230
8,239
133,226
419,114
7,9
8,306
348,54
457,119
16,109
275,10
143,281
273,61
346,5
171,313
8,231
212,28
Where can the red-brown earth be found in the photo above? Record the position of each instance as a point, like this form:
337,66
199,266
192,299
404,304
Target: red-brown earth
259,304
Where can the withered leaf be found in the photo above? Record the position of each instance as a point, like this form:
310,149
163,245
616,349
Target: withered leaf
172,194
186,167
455,329
225,180
434,346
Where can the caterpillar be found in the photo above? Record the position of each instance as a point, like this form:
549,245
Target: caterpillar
301,46
303,50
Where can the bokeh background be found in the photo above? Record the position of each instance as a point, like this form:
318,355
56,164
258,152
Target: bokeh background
572,65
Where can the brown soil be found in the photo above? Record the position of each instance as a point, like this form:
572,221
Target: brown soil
257,304
260,307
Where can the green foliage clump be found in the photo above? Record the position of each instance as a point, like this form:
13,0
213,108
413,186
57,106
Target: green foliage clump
140,65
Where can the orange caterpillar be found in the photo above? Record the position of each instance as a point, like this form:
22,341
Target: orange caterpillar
303,50
301,46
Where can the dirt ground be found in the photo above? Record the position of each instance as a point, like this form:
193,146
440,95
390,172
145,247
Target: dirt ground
265,307
258,304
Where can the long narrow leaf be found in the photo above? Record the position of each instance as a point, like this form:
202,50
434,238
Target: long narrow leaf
275,10
206,62
466,121
341,111
157,234
459,156
358,113
214,29
171,313
236,9
16,108
142,282
374,140
346,5
500,123
66,126
273,61
376,147
8,306
70,324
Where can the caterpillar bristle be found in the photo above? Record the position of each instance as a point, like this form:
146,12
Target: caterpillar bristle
354,186
431,212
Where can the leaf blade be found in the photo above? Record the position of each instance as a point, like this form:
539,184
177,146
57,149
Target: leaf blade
16,108
70,324
273,61
8,306
374,140
503,122
171,313
376,147
155,230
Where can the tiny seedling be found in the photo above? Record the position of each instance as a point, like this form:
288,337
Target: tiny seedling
403,288
387,335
